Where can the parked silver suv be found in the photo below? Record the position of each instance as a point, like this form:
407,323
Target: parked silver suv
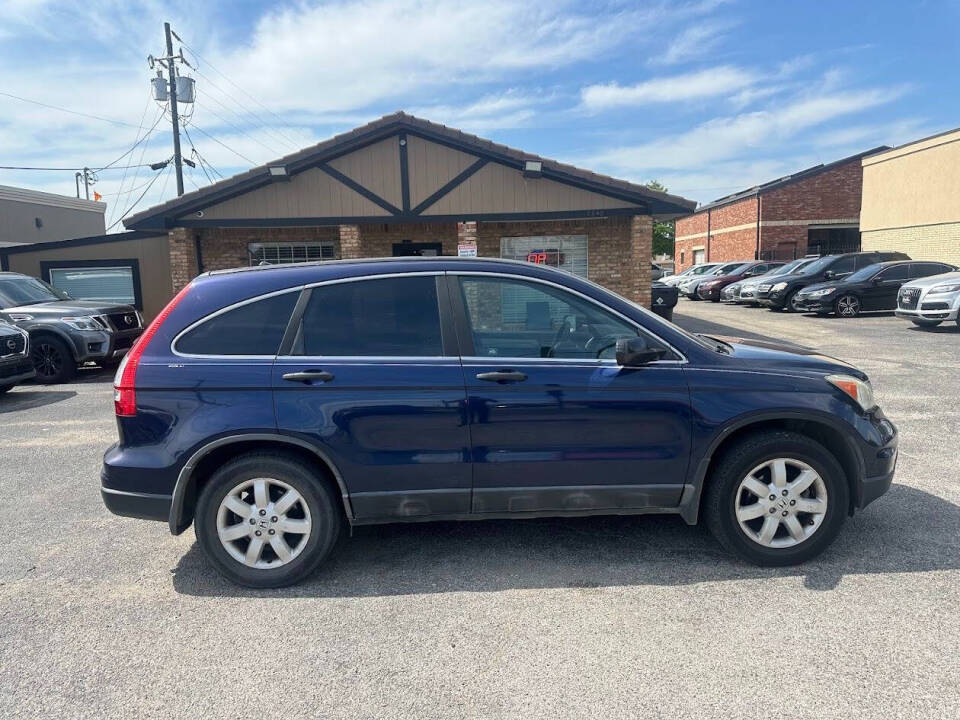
929,301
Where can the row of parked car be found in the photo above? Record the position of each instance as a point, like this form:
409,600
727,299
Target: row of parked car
925,292
46,335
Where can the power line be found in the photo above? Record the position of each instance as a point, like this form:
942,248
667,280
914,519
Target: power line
59,169
238,87
244,157
259,120
62,109
136,174
138,140
244,133
137,201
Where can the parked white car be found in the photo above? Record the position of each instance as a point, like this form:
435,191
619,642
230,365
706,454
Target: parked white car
690,272
929,301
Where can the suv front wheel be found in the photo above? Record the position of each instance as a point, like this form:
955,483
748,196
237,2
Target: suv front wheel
777,498
266,520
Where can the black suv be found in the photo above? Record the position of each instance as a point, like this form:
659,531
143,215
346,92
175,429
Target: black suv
15,365
782,293
64,332
873,287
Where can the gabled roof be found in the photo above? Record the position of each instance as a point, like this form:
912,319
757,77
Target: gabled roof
163,215
788,179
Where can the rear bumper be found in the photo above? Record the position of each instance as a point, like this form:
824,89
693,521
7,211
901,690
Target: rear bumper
145,506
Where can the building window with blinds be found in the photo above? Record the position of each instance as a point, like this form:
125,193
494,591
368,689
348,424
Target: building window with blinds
566,252
106,281
287,253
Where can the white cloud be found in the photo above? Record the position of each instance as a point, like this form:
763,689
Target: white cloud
708,83
694,42
723,138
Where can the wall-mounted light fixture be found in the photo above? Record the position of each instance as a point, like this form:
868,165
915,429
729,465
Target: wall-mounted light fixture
532,169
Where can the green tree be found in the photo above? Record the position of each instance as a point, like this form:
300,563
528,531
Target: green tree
663,232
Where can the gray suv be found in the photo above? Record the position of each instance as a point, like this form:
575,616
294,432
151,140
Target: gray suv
64,332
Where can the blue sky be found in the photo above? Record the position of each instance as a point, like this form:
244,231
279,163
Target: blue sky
706,96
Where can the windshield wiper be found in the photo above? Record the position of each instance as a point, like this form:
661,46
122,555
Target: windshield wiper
718,345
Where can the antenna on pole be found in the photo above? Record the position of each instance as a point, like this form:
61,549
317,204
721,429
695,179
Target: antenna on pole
174,88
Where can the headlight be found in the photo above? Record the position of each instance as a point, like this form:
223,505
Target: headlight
779,286
820,293
940,289
84,322
859,390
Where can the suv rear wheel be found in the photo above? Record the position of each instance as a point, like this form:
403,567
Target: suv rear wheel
266,520
777,498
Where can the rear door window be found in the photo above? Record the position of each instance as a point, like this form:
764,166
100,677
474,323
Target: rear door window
254,328
919,270
389,317
843,266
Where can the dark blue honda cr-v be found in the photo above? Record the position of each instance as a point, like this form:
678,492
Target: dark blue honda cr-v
272,406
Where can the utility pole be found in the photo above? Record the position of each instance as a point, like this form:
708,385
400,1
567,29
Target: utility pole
177,159
88,180
165,89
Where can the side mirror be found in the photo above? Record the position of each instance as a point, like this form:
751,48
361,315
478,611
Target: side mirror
634,352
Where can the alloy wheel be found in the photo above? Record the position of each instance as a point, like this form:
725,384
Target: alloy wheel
263,523
47,359
848,306
781,503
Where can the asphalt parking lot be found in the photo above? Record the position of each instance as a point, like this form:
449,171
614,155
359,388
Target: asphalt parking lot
607,617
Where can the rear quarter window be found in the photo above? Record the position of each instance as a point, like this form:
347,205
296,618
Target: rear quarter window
254,328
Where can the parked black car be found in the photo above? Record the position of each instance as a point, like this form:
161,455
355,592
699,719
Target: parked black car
64,332
874,287
15,364
663,299
782,294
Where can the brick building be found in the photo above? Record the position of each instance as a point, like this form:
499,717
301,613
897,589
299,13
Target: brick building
814,211
405,186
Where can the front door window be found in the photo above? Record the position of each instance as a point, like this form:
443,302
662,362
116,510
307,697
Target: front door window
519,319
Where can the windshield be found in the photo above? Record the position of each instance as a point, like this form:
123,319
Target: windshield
16,291
700,269
864,273
816,266
728,268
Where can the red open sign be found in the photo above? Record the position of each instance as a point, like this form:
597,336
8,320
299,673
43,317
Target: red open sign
539,258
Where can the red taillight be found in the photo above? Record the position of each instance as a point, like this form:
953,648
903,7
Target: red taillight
125,381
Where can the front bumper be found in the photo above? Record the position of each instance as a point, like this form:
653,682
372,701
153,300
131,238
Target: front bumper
96,345
16,370
879,441
815,304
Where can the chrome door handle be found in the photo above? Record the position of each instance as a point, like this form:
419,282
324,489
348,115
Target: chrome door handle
309,375
502,376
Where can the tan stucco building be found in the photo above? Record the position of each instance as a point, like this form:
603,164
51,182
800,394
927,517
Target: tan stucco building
911,199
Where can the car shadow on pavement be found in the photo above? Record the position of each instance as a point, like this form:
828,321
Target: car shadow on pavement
905,531
27,399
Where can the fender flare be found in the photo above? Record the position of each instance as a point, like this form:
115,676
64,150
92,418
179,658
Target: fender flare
184,477
47,329
689,507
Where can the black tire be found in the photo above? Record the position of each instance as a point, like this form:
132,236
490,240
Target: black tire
788,302
927,323
847,306
724,482
52,360
5,388
325,512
